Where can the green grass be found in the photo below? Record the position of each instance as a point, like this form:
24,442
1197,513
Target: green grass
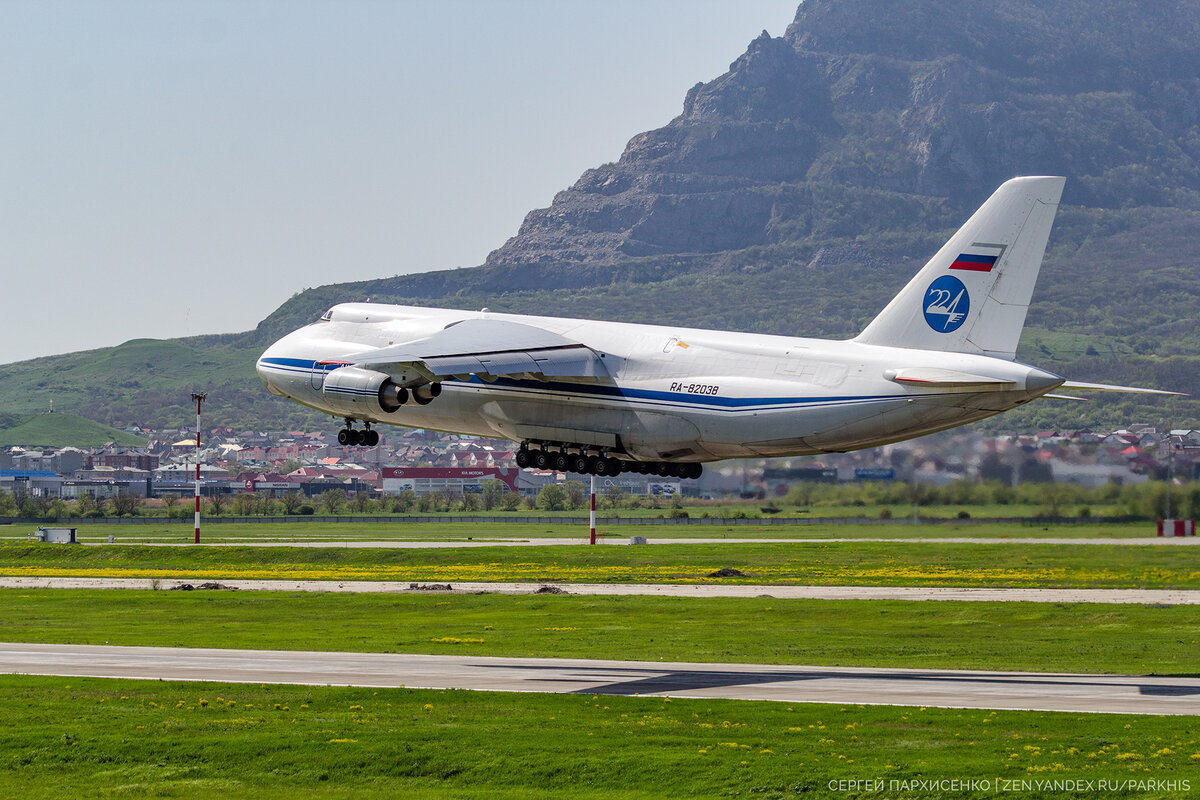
90,737
1036,637
863,563
302,530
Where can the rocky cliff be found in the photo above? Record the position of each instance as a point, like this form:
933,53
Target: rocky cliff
934,99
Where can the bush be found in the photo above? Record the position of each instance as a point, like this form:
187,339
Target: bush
678,513
963,515
885,513
306,510
552,497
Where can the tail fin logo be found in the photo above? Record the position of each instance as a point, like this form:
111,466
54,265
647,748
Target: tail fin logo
946,304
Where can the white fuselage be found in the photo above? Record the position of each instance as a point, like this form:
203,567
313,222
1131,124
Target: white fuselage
670,394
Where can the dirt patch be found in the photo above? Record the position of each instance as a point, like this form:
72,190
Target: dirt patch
551,590
727,572
430,587
211,585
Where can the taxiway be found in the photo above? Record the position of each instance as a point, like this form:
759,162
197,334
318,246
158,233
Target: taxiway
982,594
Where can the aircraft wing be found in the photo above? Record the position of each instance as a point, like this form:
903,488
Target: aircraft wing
487,347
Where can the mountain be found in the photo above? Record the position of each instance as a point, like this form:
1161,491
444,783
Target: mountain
800,190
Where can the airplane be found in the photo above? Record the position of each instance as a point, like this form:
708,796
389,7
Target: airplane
603,398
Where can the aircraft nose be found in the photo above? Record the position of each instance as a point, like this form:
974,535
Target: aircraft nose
1038,381
264,369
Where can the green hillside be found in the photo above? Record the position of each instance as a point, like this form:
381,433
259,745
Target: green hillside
149,382
60,430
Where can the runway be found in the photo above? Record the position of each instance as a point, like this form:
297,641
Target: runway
795,684
916,593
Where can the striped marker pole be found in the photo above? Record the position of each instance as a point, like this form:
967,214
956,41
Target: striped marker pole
199,398
592,540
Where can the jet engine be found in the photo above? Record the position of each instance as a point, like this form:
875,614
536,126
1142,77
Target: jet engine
358,392
425,393
354,391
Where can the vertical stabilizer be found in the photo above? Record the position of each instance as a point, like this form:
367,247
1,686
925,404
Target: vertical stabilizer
973,295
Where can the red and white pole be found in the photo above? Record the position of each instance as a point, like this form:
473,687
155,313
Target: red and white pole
199,398
592,540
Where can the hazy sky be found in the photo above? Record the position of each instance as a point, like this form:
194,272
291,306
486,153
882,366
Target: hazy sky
179,168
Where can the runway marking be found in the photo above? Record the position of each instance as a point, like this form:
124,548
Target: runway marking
794,684
1176,597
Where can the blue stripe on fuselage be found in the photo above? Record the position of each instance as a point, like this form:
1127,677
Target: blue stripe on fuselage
639,396
655,397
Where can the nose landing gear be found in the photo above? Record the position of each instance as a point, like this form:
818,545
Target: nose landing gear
349,437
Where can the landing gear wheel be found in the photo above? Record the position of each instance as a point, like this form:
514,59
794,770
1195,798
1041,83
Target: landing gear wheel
371,438
693,471
561,462
523,458
601,467
355,437
344,437
580,464
613,465
541,459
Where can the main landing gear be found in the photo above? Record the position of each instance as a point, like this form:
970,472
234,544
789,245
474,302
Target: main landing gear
349,437
572,458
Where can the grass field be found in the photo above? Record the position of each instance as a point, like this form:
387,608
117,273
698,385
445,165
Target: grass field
103,738
87,737
181,532
1000,564
1035,637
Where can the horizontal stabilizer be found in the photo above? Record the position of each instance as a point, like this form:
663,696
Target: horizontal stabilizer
949,378
1107,387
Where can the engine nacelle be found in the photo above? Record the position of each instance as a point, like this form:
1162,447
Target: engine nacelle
354,391
425,393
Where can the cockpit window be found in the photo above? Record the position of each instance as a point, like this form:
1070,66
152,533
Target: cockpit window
328,315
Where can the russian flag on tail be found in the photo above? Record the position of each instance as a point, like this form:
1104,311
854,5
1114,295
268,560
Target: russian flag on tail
974,263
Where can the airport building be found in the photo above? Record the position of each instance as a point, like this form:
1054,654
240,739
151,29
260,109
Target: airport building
31,482
459,480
